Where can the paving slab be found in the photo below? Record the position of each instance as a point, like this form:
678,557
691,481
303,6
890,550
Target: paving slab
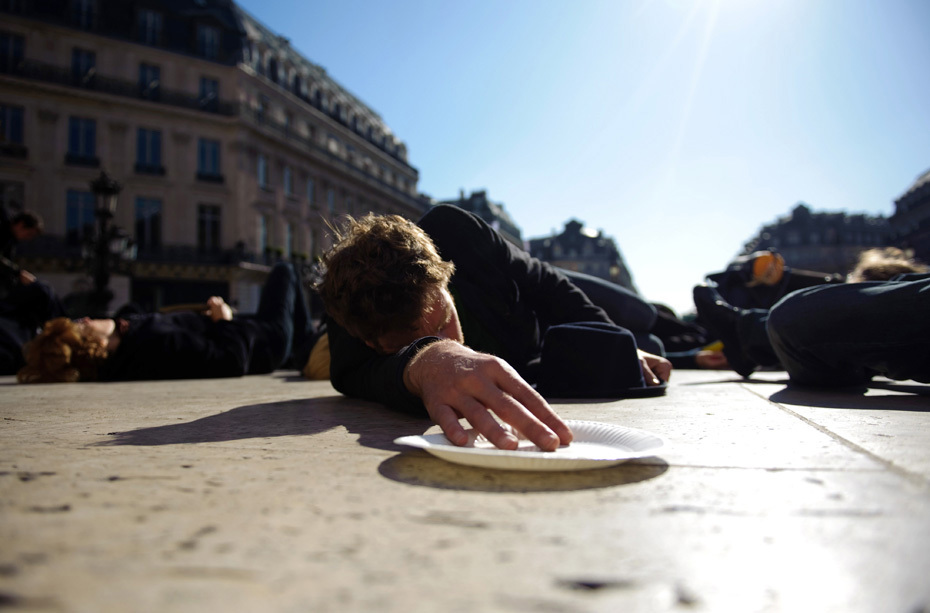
271,493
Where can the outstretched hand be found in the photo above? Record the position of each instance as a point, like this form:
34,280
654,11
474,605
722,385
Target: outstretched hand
656,369
454,382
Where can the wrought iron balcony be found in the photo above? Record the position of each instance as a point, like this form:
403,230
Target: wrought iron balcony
59,75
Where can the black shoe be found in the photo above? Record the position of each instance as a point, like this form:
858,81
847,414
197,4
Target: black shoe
720,318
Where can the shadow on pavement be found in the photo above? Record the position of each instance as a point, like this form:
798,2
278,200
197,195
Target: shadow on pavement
420,468
915,398
376,426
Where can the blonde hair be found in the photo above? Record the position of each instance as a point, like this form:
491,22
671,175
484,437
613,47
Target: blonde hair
61,354
883,263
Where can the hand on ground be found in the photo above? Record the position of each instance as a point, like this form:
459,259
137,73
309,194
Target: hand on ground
454,382
656,369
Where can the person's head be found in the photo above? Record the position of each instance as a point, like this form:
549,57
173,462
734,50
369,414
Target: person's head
26,225
883,263
66,351
384,282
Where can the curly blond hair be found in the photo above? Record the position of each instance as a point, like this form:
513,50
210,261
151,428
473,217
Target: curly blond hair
380,274
883,263
61,354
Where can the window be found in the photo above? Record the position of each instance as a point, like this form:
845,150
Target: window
83,67
148,224
11,52
311,191
288,181
149,25
79,216
209,94
84,13
208,160
11,125
262,233
262,171
311,244
149,81
82,141
208,41
261,109
350,205
208,228
331,200
148,151
273,70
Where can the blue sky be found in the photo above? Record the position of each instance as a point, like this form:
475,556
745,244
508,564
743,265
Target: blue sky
678,127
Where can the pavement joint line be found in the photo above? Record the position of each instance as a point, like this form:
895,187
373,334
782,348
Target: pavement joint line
900,471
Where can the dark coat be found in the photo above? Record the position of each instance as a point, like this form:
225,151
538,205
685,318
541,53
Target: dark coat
514,297
187,345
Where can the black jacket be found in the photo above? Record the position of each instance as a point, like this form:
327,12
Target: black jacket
514,296
187,345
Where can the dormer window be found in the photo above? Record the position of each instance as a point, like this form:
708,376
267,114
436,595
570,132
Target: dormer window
208,41
84,13
149,24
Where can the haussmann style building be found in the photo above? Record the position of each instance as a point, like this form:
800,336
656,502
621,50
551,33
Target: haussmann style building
911,218
232,149
583,250
828,242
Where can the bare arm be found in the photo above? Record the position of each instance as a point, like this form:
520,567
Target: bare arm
454,381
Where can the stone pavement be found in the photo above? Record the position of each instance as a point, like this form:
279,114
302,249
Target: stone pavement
271,493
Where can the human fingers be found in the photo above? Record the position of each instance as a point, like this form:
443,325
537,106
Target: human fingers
648,376
481,419
448,421
662,368
545,419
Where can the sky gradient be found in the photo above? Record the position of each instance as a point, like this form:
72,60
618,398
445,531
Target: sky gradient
678,127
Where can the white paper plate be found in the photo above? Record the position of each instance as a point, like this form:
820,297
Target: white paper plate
596,445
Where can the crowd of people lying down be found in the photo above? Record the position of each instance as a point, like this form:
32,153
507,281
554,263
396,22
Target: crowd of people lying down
445,318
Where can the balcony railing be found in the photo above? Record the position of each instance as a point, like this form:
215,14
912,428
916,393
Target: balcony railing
286,132
58,75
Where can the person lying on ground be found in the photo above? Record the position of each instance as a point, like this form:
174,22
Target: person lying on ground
746,333
180,345
447,317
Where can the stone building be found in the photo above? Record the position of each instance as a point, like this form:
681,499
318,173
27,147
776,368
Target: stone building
232,148
584,250
822,241
491,212
911,218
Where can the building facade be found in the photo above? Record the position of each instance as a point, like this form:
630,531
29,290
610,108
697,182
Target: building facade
491,212
911,218
232,149
822,241
584,250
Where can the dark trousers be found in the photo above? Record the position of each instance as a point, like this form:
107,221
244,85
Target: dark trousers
835,335
284,318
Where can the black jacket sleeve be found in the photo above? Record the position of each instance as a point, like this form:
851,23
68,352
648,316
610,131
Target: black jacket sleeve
358,370
180,346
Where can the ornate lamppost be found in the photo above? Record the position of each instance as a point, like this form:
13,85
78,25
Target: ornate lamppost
110,249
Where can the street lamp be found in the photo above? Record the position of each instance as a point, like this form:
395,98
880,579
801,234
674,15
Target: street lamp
110,248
